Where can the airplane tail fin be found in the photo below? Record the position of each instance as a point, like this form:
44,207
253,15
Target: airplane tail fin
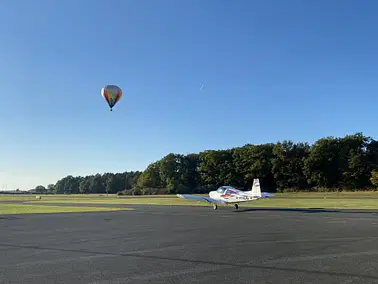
256,190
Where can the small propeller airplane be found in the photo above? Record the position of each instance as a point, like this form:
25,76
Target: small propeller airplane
229,195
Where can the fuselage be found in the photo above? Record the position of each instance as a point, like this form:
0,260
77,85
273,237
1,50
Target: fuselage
231,195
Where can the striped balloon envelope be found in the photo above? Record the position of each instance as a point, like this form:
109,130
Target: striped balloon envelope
112,94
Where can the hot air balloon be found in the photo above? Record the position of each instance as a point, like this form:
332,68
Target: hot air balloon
112,94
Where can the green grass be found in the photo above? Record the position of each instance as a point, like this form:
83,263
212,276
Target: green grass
341,200
329,194
26,197
271,202
32,209
136,200
331,203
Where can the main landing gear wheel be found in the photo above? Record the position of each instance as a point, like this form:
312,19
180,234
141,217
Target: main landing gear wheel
236,206
215,207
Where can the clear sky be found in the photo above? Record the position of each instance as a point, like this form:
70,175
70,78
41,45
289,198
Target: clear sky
271,70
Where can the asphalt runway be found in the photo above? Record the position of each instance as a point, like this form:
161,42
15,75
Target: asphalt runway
182,244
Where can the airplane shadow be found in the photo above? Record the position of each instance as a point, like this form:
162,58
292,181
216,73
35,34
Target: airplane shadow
308,210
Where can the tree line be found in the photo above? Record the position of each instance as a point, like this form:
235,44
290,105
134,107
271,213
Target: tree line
331,163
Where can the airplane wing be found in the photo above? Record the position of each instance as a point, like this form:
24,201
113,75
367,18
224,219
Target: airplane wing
200,198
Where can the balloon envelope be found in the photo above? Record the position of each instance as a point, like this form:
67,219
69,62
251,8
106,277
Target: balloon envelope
112,94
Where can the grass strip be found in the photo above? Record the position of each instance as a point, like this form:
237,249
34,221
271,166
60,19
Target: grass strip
32,209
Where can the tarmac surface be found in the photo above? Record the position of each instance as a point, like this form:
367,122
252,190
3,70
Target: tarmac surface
184,244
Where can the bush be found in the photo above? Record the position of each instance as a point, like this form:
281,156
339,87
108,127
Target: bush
374,177
137,191
149,191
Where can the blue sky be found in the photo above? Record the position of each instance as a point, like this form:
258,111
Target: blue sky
271,70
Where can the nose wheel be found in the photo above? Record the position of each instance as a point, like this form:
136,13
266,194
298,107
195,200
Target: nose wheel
236,206
215,207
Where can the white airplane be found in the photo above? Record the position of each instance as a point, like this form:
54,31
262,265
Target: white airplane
229,195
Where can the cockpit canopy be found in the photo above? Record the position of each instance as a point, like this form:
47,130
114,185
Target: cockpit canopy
222,189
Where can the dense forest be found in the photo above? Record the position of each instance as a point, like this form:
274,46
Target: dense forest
331,163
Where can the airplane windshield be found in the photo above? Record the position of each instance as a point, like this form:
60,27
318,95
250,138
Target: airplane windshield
222,189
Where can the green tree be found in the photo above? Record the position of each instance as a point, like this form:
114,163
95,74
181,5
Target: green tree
40,189
151,177
50,188
190,174
217,168
321,166
254,161
84,186
96,184
288,163
170,171
349,162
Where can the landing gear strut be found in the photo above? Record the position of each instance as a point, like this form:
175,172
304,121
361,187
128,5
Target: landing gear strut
215,206
236,206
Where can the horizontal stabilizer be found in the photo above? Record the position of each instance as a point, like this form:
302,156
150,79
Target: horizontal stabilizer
266,195
200,198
